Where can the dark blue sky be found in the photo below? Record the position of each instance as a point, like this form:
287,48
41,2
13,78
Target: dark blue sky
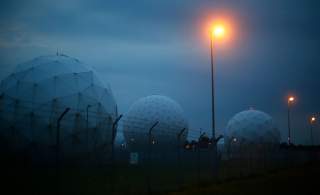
155,47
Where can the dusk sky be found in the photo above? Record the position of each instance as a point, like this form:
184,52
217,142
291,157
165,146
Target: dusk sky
160,47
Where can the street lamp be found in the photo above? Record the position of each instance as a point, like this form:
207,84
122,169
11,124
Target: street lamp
312,122
217,32
291,100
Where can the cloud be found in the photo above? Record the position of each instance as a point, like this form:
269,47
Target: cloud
146,47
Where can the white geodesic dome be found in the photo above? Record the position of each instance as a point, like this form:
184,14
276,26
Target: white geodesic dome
34,96
147,111
252,126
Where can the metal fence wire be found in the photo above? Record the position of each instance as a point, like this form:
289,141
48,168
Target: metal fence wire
86,164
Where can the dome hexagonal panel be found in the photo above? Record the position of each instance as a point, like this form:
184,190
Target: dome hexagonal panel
147,111
252,126
38,91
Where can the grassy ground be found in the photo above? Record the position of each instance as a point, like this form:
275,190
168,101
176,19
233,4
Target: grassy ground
299,180
193,176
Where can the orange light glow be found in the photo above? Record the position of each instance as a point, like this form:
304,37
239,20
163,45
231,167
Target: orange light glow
218,31
313,119
291,99
220,26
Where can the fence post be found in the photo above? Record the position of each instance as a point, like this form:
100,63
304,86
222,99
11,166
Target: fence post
149,153
179,177
58,148
114,131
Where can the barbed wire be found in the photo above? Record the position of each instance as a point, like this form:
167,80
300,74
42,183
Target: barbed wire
49,111
52,109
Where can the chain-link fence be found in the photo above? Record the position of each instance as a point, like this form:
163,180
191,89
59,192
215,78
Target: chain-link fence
85,163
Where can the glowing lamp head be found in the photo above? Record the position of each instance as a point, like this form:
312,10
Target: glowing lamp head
313,119
291,99
218,31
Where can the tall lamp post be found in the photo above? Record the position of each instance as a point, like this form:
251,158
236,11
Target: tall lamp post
217,32
291,99
312,122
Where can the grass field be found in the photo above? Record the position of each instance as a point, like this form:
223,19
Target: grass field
192,176
303,180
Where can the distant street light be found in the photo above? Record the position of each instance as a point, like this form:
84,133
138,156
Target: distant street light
234,140
312,122
291,100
